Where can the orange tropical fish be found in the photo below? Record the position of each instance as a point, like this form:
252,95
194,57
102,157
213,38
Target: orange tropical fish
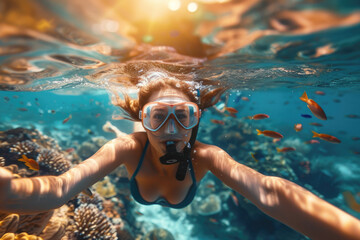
245,99
98,115
286,149
269,133
316,124
221,122
298,127
351,201
314,107
30,163
235,199
253,156
312,141
210,185
231,110
326,137
275,140
320,93
259,116
213,220
67,119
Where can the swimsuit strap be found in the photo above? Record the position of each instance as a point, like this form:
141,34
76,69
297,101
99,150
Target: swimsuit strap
141,159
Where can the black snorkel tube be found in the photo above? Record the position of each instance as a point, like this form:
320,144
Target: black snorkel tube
172,156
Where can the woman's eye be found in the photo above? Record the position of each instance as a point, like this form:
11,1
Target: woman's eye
159,116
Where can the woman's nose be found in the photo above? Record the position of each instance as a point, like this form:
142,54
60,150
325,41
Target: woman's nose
171,127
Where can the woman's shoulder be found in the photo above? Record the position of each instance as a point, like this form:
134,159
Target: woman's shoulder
203,152
134,141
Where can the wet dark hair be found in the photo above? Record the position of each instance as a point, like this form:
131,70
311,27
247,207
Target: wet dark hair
208,96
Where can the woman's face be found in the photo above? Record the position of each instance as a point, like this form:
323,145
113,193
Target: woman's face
171,130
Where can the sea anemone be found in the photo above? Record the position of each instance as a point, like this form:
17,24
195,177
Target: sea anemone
24,147
52,162
92,224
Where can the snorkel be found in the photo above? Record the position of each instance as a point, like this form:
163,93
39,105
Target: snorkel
172,156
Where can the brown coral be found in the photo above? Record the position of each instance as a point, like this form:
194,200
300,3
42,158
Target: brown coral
21,236
91,223
24,147
52,162
9,224
2,161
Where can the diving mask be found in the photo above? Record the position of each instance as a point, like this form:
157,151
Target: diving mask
155,114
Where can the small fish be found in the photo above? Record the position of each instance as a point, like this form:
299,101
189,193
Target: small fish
351,201
326,137
316,124
314,107
298,127
246,99
253,156
139,213
231,110
269,133
259,116
53,111
355,138
285,149
15,96
306,116
213,220
6,99
312,141
22,109
97,115
30,163
90,132
210,185
67,119
234,199
352,116
337,100
221,122
69,150
320,93
88,193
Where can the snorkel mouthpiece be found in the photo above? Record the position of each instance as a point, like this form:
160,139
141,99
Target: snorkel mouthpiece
171,156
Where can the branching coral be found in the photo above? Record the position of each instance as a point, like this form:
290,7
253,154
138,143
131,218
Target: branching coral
2,161
92,224
9,224
24,147
21,236
52,162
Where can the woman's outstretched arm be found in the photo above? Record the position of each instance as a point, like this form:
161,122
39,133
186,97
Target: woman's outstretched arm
30,195
283,200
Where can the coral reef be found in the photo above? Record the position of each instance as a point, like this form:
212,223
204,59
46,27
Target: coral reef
21,236
91,223
105,188
210,206
52,162
160,234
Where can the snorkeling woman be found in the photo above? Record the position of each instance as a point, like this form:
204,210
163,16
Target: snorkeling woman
166,162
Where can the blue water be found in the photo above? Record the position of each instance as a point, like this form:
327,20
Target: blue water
70,72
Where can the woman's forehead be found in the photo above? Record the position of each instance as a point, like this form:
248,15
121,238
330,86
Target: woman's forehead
168,93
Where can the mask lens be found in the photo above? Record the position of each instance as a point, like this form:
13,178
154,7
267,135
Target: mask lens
156,114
